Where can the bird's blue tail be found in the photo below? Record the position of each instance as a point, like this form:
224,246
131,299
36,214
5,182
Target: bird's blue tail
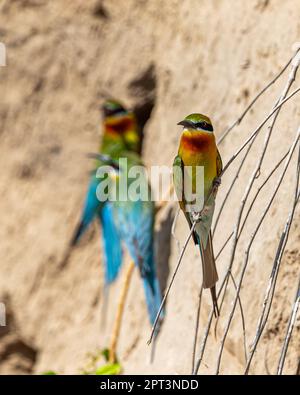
153,298
152,293
91,206
111,244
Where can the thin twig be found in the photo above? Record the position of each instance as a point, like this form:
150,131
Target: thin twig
196,328
279,105
248,108
289,331
118,320
224,245
222,301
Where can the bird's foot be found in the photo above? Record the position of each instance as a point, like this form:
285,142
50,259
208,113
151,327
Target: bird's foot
217,182
196,217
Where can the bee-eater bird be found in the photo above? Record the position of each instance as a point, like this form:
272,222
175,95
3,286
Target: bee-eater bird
120,133
198,148
134,219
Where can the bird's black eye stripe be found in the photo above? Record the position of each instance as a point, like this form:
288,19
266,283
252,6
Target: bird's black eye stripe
205,126
112,111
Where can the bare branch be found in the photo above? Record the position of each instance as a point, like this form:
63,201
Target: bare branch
196,328
118,320
290,328
247,252
277,107
274,273
248,108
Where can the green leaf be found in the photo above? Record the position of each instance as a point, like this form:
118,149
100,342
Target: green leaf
109,368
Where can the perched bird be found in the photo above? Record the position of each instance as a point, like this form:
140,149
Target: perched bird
120,133
198,148
134,219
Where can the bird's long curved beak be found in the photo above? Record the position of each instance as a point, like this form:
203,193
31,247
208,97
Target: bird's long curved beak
185,123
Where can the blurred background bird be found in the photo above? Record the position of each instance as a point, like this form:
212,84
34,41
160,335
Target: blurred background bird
128,221
120,134
198,148
134,219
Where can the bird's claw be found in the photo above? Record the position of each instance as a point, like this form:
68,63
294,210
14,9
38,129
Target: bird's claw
196,217
217,182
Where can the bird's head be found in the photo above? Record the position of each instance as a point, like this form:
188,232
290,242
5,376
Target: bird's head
197,122
111,108
120,123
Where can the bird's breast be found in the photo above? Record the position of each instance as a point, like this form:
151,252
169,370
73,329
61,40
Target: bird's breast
194,142
120,126
198,148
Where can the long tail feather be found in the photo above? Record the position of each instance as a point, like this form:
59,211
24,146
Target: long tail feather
215,301
153,297
111,244
210,275
91,206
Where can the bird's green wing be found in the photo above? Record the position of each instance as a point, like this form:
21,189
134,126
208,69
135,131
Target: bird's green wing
219,164
178,181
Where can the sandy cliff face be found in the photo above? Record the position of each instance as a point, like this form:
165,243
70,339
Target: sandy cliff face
166,59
